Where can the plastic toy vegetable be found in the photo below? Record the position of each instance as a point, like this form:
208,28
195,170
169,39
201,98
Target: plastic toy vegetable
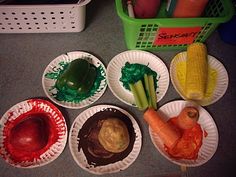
186,8
146,9
167,133
196,71
80,75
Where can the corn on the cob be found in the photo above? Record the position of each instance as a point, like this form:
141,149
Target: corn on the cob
196,71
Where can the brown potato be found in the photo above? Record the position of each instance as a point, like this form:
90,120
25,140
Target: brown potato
114,135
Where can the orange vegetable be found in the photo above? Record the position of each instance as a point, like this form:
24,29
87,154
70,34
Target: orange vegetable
154,120
167,133
188,117
189,8
188,146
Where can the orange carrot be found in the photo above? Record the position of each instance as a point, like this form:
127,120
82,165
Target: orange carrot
167,133
154,120
188,117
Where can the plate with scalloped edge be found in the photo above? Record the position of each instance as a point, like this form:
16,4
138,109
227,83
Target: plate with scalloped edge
56,66
209,143
49,152
80,157
141,57
217,78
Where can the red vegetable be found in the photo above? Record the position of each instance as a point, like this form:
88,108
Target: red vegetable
146,8
30,134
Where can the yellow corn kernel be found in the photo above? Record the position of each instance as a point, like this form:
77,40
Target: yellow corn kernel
196,71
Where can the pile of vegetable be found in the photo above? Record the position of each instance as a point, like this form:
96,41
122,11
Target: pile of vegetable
181,135
142,82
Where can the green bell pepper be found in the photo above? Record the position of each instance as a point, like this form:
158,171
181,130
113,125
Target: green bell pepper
88,82
79,75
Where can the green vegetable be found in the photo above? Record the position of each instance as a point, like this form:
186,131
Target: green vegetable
142,82
133,72
152,92
88,83
139,95
147,88
144,94
79,75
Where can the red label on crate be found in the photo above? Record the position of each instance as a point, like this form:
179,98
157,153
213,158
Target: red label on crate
171,36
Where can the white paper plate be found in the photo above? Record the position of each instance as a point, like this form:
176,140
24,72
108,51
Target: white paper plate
221,79
140,57
80,157
209,144
38,106
55,66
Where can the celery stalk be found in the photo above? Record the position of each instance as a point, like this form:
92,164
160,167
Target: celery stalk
147,88
139,95
136,96
142,95
152,92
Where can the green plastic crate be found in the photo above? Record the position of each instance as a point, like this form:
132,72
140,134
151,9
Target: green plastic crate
163,33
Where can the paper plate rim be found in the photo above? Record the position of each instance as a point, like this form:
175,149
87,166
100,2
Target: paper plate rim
98,170
28,107
130,52
154,137
212,60
67,57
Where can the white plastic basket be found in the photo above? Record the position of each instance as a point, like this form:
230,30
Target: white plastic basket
53,18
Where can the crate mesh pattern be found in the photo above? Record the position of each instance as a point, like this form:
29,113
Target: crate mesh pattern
142,33
42,18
